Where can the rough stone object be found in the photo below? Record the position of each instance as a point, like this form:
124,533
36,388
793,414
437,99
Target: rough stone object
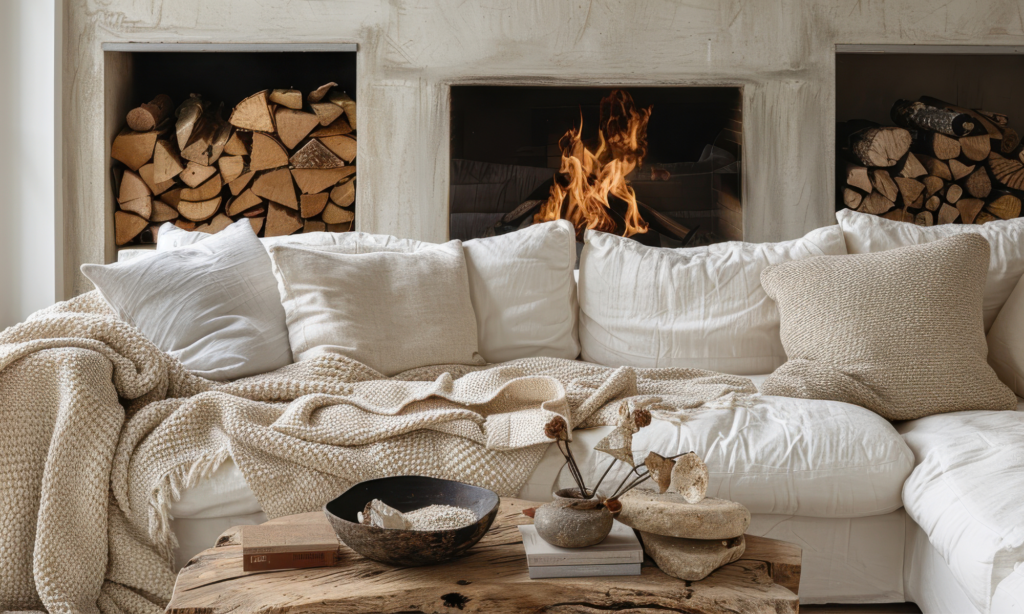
669,514
569,523
691,559
690,478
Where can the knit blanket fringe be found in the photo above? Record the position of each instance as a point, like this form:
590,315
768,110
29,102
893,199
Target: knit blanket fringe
103,432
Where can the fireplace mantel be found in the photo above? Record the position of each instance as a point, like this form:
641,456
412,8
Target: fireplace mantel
411,51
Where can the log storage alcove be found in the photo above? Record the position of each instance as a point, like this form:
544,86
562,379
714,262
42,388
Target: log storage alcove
927,135
205,135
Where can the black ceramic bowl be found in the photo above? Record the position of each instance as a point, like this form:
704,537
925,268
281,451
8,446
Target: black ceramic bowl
408,493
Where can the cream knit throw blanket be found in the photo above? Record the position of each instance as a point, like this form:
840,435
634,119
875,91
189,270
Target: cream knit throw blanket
101,431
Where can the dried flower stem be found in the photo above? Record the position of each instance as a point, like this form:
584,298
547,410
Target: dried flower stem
574,469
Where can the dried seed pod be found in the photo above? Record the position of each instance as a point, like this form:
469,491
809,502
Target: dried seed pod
557,429
619,443
613,505
660,469
690,477
641,417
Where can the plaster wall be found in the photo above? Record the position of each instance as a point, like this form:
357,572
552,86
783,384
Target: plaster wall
410,51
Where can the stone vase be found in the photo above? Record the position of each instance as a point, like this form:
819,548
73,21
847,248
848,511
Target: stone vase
571,521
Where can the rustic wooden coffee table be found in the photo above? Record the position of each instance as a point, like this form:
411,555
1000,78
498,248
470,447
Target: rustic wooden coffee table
492,577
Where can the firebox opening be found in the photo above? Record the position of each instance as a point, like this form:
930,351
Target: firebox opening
664,159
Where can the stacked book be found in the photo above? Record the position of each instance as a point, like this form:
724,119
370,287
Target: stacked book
287,546
620,554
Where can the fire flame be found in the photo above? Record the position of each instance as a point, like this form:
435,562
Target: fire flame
593,175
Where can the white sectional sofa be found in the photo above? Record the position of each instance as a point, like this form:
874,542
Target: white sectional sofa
928,510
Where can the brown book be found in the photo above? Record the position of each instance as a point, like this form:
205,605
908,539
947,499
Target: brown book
270,546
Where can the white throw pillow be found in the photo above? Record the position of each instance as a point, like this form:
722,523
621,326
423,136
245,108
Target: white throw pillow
699,308
1006,341
869,233
214,306
521,284
390,311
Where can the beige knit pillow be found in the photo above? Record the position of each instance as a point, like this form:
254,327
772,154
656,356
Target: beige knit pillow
898,332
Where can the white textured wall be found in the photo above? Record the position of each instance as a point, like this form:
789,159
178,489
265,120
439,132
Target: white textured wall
411,51
28,254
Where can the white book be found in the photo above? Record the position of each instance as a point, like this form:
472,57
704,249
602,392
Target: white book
584,571
620,547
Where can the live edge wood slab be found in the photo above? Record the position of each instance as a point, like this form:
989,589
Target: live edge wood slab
491,577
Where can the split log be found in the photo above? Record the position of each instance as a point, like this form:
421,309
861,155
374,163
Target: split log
162,212
313,226
910,189
326,112
852,198
243,202
953,193
238,144
982,124
255,212
127,226
977,184
150,114
231,167
267,153
318,94
1005,206
910,167
856,175
172,197
884,184
344,195
195,174
333,214
293,126
314,155
199,211
347,105
347,226
875,204
312,204
147,172
198,148
210,188
166,161
185,225
985,217
883,146
142,206
188,114
969,208
257,224
1000,119
935,167
220,139
947,214
277,186
935,145
241,183
933,203
900,215
281,221
311,180
975,148
959,170
345,148
134,149
1007,171
217,224
338,127
924,218
253,113
921,116
132,187
1010,141
286,98
932,184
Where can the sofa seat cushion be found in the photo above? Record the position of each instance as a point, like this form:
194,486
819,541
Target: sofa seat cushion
967,494
786,456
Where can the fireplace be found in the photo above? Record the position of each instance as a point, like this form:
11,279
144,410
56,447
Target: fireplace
659,164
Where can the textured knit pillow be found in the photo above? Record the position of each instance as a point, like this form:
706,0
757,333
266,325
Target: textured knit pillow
1006,341
898,332
214,306
390,311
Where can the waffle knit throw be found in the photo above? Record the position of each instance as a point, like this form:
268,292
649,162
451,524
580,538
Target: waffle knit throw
101,431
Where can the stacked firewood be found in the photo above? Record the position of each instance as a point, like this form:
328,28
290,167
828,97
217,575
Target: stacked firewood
285,163
940,164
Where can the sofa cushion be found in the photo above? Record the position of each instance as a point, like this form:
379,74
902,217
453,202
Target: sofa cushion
521,284
967,494
866,233
784,456
213,306
390,311
898,332
700,308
